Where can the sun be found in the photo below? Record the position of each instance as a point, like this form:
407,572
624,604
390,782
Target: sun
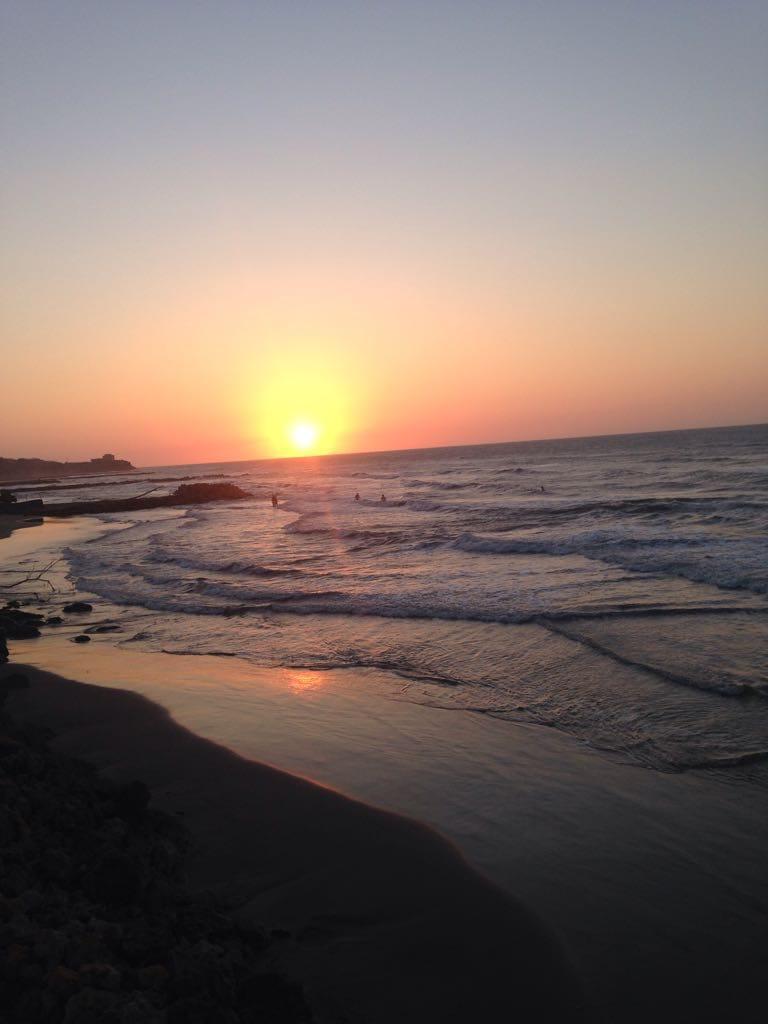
304,435
300,405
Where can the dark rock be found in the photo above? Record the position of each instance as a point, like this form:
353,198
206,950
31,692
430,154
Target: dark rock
105,629
100,975
131,801
95,925
81,638
63,981
18,625
8,827
10,747
271,997
94,1006
195,493
115,880
155,976
3,648
56,864
77,607
146,942
192,1010
54,620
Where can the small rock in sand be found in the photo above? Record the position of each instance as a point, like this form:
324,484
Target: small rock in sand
77,607
81,638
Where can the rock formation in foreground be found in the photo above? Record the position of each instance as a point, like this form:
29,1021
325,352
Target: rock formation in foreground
96,924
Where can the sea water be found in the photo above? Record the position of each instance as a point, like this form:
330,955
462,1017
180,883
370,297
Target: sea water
554,652
614,588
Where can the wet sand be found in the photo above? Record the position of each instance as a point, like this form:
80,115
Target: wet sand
387,920
9,523
656,882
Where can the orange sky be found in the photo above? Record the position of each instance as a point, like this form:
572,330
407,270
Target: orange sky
493,228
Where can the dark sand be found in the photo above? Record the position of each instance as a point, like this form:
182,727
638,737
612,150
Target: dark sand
388,923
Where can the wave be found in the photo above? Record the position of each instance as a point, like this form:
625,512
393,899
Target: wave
724,687
444,485
732,563
360,475
562,546
234,566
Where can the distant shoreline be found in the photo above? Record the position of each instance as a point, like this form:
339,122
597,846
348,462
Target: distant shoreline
454,446
46,471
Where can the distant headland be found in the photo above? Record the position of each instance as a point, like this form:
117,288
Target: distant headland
40,470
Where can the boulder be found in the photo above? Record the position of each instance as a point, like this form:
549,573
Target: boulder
77,608
63,981
155,976
115,880
81,638
19,625
103,976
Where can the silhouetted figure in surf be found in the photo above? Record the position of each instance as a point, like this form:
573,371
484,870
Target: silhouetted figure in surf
357,496
383,497
274,501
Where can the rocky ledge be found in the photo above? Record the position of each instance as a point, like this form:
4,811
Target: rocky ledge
185,494
96,924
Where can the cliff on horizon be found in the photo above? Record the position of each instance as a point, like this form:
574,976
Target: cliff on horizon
14,470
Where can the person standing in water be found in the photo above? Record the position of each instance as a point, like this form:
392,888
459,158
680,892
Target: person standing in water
357,496
383,497
274,500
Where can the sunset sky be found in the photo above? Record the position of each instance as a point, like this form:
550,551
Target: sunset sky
404,223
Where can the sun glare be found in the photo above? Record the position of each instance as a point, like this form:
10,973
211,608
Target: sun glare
304,435
300,408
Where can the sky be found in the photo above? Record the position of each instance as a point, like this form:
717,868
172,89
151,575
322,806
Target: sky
231,224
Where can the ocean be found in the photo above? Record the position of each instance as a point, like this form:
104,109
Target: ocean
614,588
554,652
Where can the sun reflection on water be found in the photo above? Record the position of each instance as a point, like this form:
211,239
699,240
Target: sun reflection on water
301,682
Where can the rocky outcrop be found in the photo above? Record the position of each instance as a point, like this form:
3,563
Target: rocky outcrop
186,494
16,624
96,924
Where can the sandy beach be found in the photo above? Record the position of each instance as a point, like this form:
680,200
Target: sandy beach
387,921
384,497
318,799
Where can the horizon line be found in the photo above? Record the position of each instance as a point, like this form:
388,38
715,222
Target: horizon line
448,447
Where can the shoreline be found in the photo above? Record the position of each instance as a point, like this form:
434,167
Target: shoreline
651,881
9,523
388,922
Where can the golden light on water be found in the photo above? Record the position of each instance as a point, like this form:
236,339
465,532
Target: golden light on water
301,682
